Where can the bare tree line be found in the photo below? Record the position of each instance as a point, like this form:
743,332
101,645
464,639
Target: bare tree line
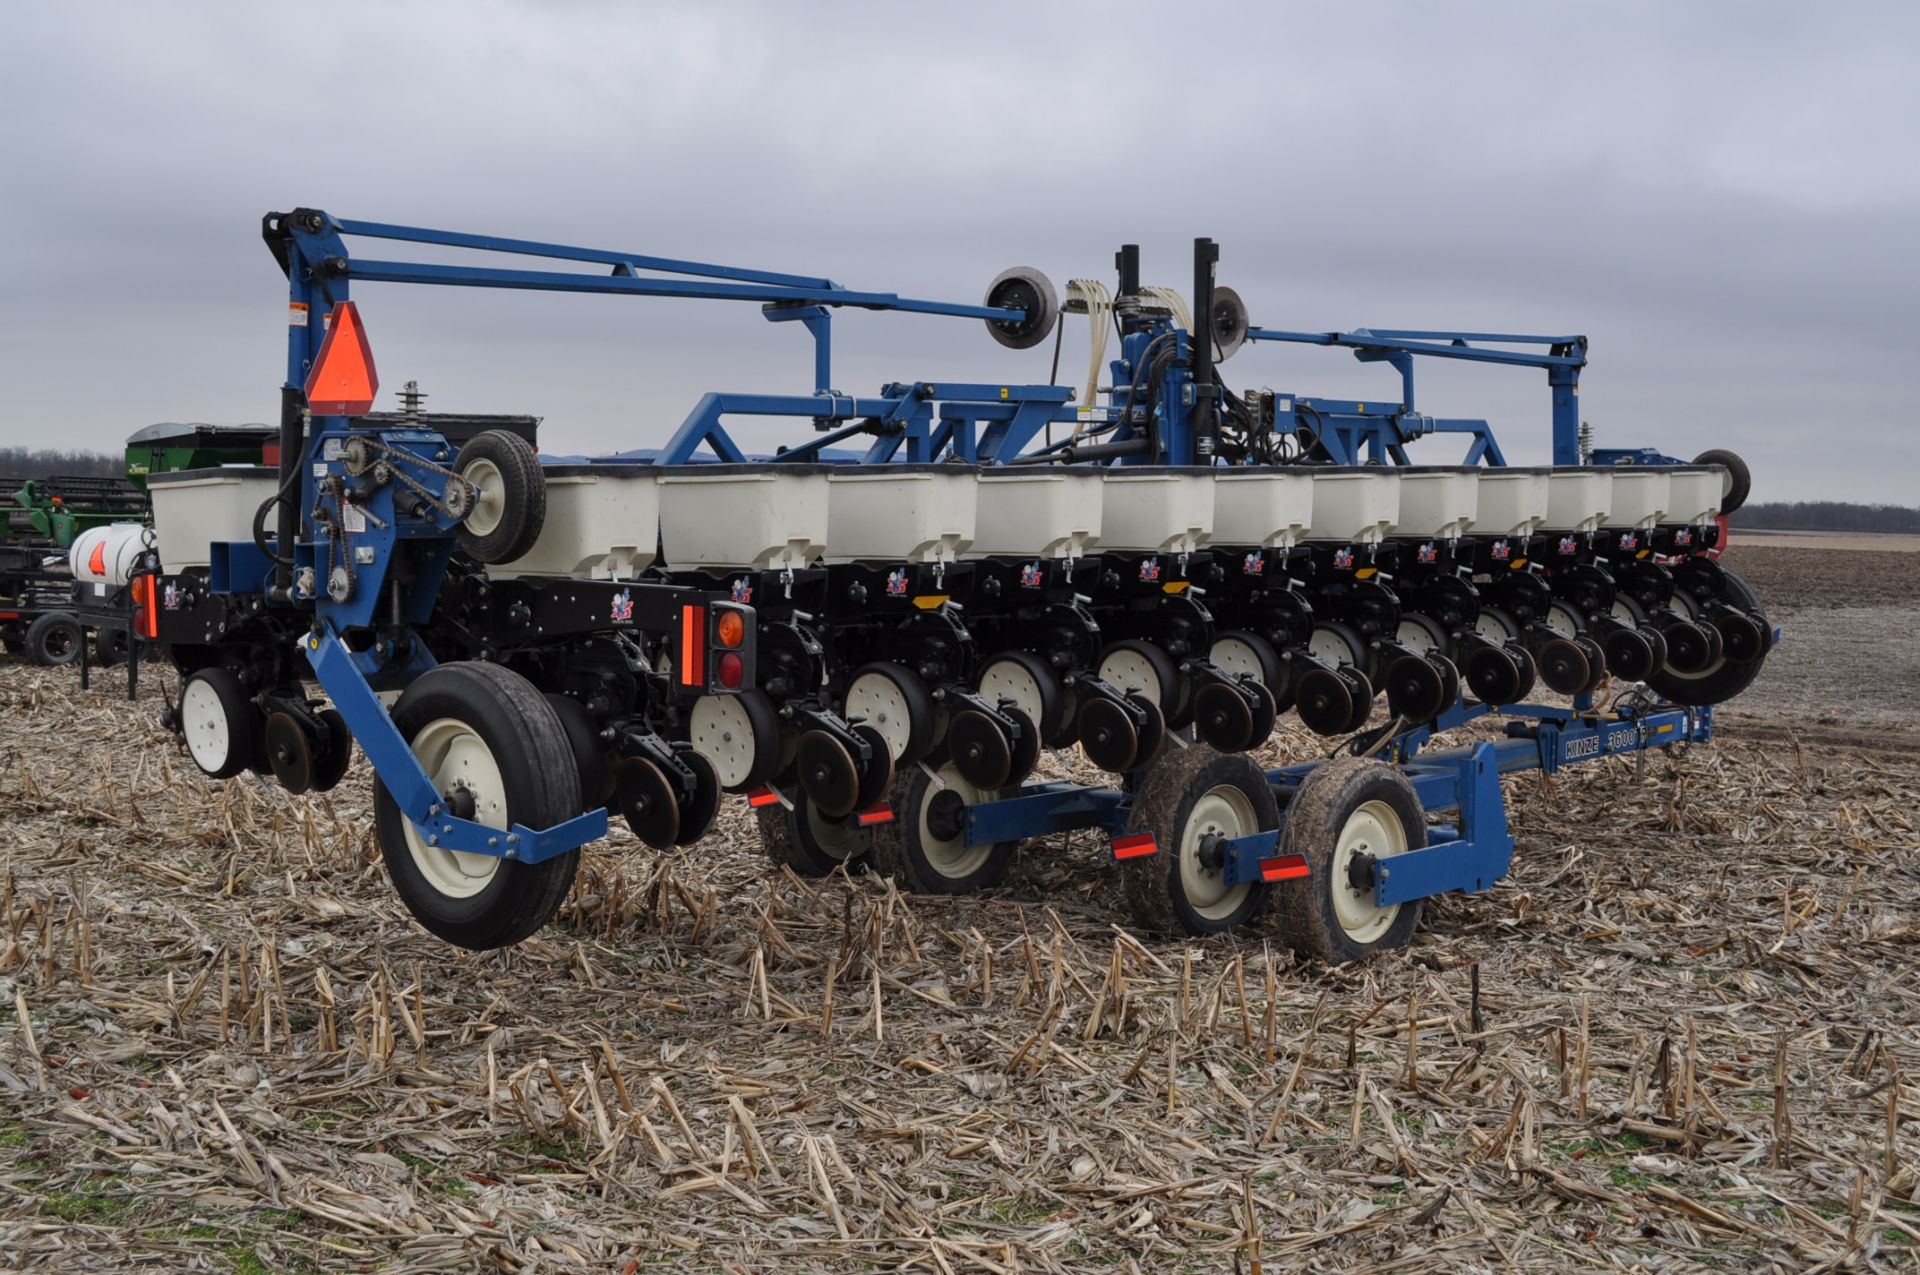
39,462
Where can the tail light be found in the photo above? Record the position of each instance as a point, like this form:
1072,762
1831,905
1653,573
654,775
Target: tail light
146,616
716,646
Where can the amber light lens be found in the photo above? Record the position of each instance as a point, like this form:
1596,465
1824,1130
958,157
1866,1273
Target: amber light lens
732,669
730,628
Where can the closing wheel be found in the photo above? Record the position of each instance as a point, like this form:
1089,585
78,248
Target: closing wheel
496,754
1026,749
1723,678
1245,654
1347,816
589,751
1563,665
1492,673
1023,288
219,722
1324,701
1362,689
828,773
1265,713
1741,638
505,504
979,750
1152,731
1630,655
739,734
647,801
877,775
892,700
810,843
54,639
1034,688
290,751
334,752
1222,719
1596,663
925,846
698,807
1107,735
1192,803
1416,688
1529,671
1689,649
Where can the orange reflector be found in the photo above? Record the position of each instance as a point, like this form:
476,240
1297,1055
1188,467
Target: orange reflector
762,797
1137,846
146,617
1288,867
882,813
730,628
98,562
693,646
343,381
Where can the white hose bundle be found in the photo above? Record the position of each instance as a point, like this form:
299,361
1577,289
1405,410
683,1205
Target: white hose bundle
1098,301
1173,302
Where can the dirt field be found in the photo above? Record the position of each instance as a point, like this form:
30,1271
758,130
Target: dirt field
225,1047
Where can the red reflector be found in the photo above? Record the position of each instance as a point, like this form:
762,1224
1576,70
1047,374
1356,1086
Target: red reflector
343,381
693,646
1287,867
732,670
1137,846
270,454
882,813
762,797
9,615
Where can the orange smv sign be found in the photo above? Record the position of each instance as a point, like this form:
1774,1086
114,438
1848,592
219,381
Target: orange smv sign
343,381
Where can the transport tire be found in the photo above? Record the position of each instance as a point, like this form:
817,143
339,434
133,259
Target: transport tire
924,848
221,726
1722,678
740,735
1188,803
1023,288
54,639
1739,484
110,646
589,751
894,701
1342,811
810,844
497,753
506,519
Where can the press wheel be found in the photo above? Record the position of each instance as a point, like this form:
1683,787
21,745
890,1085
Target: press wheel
702,803
877,776
335,754
1222,719
647,801
979,750
828,774
289,751
1107,735
1026,748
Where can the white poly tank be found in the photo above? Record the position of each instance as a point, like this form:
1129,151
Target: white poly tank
1693,494
1437,503
1037,511
1156,508
900,513
1578,499
1512,502
765,517
194,508
603,523
109,555
1262,508
1639,496
1354,504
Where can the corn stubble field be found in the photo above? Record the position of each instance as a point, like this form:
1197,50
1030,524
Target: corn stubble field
1680,1037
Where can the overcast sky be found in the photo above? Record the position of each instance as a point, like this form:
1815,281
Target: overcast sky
1723,197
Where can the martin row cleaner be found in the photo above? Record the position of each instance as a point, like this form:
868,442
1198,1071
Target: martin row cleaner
873,633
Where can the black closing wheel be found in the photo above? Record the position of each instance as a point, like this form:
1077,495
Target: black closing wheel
1026,748
54,639
1324,702
1596,662
876,776
496,754
1347,817
1689,650
504,504
893,700
290,751
828,773
1107,735
1563,665
1739,483
647,801
1152,731
1193,803
589,751
1361,689
1492,674
809,842
979,750
701,803
333,751
1416,688
1222,719
925,846
1023,288
221,726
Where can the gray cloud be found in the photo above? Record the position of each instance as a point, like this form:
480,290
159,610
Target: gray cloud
1720,195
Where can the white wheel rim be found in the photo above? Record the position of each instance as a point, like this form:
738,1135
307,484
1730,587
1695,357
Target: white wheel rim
722,732
1621,611
1376,830
877,700
952,858
1329,648
1561,620
491,505
1231,655
203,719
1132,672
839,841
1488,626
1224,810
1009,679
454,756
1413,636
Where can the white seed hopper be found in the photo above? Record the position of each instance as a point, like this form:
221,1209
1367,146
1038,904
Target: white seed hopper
900,513
1437,503
1156,508
1037,512
1513,502
1578,499
603,523
1268,508
765,517
1358,505
193,508
1694,494
1639,496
